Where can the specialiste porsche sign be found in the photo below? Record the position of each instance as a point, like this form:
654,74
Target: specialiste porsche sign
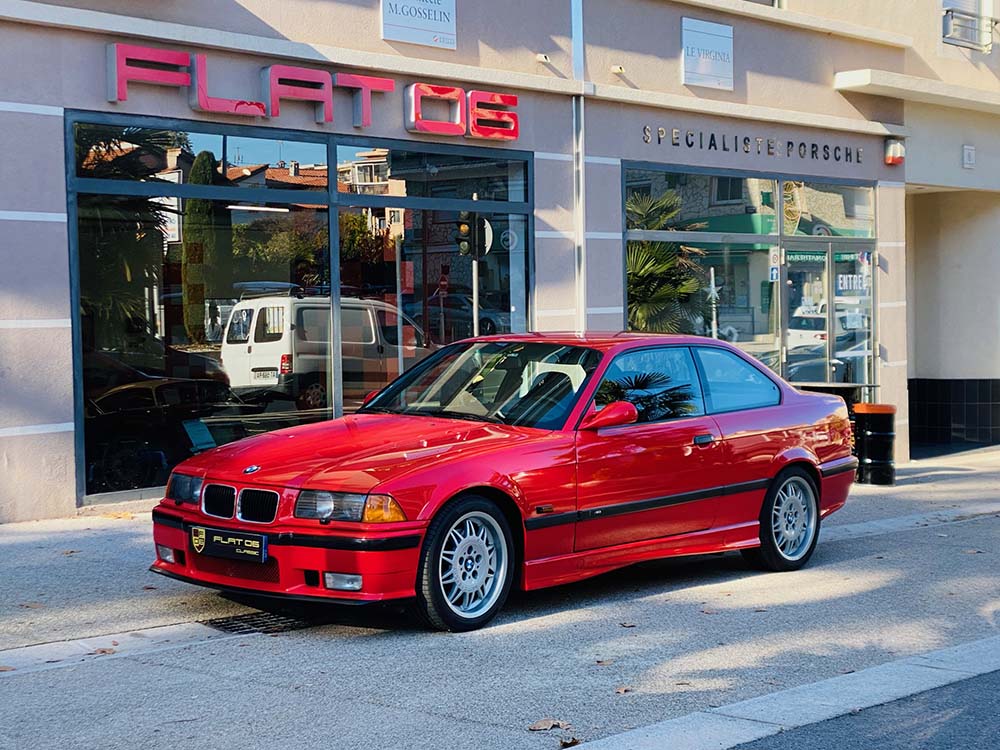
432,109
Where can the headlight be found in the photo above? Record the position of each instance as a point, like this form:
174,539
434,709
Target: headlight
184,488
344,506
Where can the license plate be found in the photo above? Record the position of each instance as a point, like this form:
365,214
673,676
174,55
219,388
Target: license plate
265,374
235,545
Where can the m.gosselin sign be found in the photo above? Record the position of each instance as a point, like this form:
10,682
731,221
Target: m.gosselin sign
737,144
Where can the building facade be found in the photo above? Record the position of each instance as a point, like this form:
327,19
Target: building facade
225,218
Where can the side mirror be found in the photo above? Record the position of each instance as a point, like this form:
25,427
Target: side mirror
369,397
615,414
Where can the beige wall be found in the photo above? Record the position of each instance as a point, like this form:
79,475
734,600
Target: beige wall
493,35
956,259
934,147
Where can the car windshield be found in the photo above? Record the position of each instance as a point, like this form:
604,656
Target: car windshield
517,383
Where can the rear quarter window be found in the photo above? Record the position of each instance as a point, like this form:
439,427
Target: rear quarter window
733,384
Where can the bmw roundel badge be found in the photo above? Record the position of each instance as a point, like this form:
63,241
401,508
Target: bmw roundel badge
251,469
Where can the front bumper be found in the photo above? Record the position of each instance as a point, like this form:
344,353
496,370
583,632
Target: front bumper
296,561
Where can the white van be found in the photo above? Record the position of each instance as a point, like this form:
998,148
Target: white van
279,346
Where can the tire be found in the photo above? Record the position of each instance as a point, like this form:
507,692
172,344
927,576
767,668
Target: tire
487,327
454,588
788,541
312,396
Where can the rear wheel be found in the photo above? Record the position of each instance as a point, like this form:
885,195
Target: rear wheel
466,566
789,523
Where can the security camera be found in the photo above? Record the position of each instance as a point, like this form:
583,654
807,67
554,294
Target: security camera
617,69
543,58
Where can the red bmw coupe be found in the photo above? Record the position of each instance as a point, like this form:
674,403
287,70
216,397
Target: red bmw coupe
522,460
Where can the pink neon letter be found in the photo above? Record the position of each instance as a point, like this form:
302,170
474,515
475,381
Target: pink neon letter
304,84
200,99
490,116
121,70
365,85
417,123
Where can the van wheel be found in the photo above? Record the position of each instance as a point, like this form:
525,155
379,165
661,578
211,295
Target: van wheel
487,327
312,396
789,523
466,566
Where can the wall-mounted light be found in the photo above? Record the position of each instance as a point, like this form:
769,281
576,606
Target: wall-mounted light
543,58
618,69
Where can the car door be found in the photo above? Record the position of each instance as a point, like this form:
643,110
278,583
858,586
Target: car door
653,478
746,404
236,346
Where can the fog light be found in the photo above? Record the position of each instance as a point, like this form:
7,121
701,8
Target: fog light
342,581
165,553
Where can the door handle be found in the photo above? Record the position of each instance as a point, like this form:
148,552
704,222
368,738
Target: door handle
704,439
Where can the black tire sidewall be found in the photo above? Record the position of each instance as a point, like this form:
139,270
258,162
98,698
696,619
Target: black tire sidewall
430,598
768,552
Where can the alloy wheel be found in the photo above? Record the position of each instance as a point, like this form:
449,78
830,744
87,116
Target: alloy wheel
472,565
794,518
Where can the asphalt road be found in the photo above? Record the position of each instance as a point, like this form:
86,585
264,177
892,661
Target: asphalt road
624,650
963,715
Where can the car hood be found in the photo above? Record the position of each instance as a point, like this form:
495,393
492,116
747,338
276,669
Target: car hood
353,453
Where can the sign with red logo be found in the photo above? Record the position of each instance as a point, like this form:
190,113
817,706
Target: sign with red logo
429,108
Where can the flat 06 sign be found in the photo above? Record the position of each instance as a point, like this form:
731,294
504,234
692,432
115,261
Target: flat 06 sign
235,545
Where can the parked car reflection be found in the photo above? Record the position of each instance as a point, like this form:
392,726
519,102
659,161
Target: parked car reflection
136,431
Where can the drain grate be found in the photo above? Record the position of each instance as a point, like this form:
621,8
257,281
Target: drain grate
260,622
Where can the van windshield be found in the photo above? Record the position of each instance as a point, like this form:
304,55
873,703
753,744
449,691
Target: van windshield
518,383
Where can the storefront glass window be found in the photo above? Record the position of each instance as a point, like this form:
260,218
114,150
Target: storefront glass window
801,306
415,174
670,290
402,271
165,155
185,311
206,320
829,210
700,202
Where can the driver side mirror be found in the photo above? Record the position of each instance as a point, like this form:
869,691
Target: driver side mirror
368,398
615,414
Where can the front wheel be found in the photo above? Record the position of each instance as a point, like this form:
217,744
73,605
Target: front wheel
789,523
466,566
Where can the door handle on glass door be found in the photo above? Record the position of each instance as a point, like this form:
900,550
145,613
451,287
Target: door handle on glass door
704,439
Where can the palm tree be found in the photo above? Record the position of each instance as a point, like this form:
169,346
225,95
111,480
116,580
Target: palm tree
661,276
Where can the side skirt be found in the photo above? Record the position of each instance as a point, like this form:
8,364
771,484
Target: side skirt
553,571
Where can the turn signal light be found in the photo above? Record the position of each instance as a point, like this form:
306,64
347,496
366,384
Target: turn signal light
382,509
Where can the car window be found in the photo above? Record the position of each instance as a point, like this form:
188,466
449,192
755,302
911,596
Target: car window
801,323
661,383
128,398
732,383
313,324
356,325
239,326
270,325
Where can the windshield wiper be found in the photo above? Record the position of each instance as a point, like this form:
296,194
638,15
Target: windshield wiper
457,415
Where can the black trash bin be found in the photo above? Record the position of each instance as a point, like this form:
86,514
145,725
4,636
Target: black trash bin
874,441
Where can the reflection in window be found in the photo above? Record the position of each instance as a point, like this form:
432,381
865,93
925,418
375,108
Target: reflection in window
153,154
706,203
171,291
381,171
661,383
829,210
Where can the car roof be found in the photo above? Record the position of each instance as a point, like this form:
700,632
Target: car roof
602,340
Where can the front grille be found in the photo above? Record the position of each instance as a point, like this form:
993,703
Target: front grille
259,506
266,572
219,500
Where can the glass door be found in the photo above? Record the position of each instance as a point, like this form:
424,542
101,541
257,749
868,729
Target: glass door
852,319
807,334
